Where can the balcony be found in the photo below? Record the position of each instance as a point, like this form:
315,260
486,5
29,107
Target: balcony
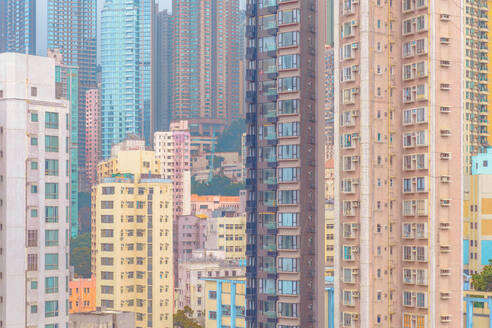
251,31
270,247
250,205
250,162
272,31
250,97
251,228
251,75
251,53
250,315
251,118
272,53
250,10
272,9
250,250
272,142
250,140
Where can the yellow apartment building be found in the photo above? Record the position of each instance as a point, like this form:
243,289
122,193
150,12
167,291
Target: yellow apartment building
228,234
132,237
225,303
329,239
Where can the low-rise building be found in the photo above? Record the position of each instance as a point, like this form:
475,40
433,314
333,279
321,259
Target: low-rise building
225,302
102,319
205,205
190,290
82,295
227,234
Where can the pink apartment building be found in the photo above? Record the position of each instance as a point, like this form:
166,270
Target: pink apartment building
92,129
173,150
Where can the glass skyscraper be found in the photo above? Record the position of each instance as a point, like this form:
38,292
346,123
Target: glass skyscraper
18,26
72,30
126,30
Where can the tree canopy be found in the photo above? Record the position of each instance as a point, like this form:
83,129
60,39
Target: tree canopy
230,140
183,319
220,185
80,254
483,281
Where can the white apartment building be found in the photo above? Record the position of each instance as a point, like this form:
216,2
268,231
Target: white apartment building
34,195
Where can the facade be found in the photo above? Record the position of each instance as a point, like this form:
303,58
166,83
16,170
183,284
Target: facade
205,205
475,86
34,224
173,150
132,236
329,100
163,70
82,295
398,184
72,32
92,133
126,72
225,303
206,58
18,26
102,319
190,289
285,147
67,87
227,234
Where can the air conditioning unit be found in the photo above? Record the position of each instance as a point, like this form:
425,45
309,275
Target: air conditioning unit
444,225
356,293
355,316
445,109
355,249
355,203
355,91
445,178
444,248
355,68
445,133
445,272
445,156
355,226
355,45
355,181
355,158
355,22
355,271
355,113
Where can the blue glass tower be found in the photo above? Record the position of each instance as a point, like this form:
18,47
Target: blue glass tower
126,45
18,26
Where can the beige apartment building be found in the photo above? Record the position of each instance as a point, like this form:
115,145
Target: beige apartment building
132,236
398,126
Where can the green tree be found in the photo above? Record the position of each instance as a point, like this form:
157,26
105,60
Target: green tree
483,281
183,319
230,140
220,185
80,254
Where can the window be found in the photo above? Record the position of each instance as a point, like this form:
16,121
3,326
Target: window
32,238
107,204
34,165
287,287
288,16
106,232
34,141
51,144
51,261
288,197
32,262
51,120
51,237
288,39
212,294
287,309
287,264
108,190
51,167
288,129
107,219
106,275
288,152
34,309
51,285
288,106
34,117
51,190
34,284
287,219
105,247
107,289
287,242
51,309
34,92
212,315
288,84
107,261
51,213
288,62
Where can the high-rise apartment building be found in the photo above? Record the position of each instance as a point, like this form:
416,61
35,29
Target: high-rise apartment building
67,87
329,98
72,31
18,26
92,133
173,151
206,58
285,215
132,236
398,188
163,70
34,194
126,61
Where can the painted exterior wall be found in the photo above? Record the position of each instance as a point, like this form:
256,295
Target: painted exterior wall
225,302
35,193
92,133
133,206
227,234
82,295
205,205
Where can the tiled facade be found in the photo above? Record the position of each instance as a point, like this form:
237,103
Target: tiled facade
132,237
92,133
206,59
173,150
398,187
285,165
34,194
